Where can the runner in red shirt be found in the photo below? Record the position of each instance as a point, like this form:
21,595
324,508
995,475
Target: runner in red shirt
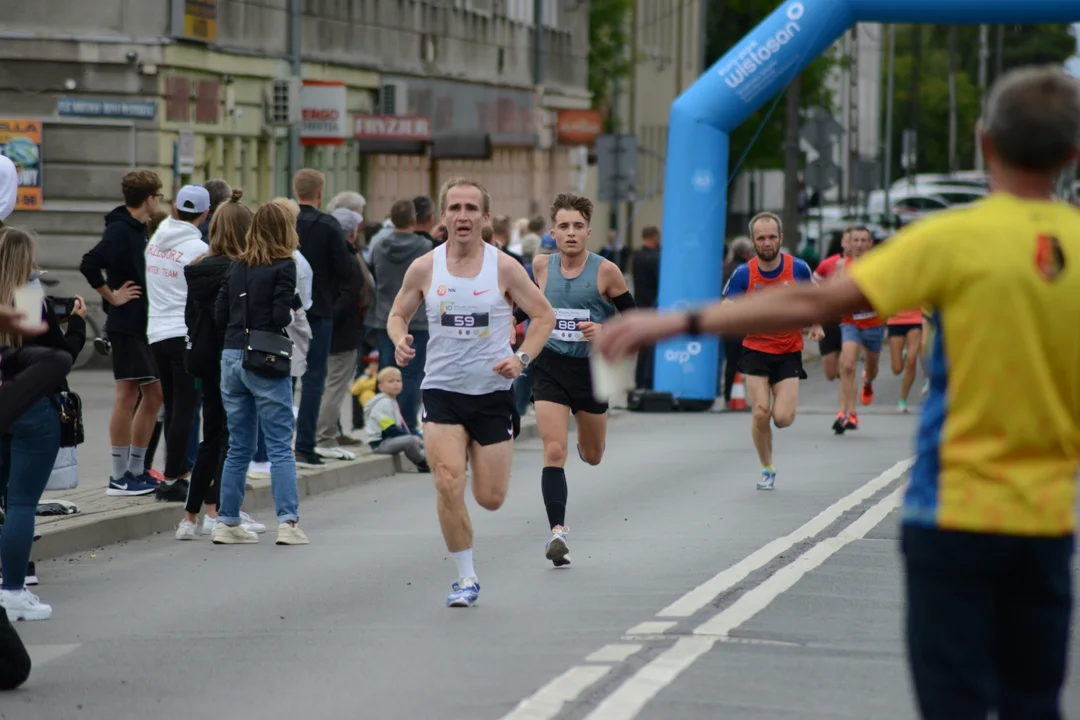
829,346
861,330
771,362
905,348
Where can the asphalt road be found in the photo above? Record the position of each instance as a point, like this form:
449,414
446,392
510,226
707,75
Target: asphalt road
692,595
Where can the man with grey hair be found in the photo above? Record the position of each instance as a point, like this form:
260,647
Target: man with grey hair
350,201
341,367
989,514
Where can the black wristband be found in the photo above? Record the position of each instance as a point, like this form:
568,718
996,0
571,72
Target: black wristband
693,324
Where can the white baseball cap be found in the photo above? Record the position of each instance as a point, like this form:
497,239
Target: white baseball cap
193,199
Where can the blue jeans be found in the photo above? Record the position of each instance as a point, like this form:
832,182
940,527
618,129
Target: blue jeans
27,454
411,375
261,456
312,384
249,399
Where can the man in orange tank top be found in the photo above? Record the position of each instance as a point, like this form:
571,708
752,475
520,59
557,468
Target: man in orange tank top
863,330
771,362
829,346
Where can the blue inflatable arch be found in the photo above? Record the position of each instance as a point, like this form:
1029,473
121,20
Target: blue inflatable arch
761,65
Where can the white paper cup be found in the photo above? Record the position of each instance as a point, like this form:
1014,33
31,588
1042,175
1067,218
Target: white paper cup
29,300
609,379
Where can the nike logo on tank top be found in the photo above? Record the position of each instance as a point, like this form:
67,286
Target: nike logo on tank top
469,325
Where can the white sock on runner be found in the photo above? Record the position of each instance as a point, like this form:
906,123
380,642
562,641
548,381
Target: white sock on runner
464,564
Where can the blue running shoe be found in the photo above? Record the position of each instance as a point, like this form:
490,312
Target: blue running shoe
556,549
128,486
464,594
767,481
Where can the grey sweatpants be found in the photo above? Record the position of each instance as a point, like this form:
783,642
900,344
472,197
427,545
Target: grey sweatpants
402,443
340,371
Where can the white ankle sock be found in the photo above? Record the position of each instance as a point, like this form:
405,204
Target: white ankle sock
464,564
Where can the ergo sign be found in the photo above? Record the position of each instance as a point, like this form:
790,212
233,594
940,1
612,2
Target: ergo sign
324,112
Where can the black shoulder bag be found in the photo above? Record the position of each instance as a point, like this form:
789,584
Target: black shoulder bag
265,353
68,405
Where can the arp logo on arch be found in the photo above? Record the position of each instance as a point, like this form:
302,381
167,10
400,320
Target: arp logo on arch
683,356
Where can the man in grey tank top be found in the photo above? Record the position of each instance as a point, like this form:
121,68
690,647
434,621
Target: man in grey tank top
468,289
584,289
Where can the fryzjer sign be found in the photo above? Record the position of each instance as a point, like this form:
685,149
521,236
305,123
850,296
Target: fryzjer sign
324,114
392,127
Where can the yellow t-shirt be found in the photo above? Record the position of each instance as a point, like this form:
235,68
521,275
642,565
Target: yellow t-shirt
999,443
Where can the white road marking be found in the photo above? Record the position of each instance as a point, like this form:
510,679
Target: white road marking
41,654
702,595
546,702
652,627
616,653
632,696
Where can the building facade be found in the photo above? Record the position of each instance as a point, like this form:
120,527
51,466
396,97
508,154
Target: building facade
198,89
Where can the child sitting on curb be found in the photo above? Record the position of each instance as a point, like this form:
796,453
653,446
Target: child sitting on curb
385,426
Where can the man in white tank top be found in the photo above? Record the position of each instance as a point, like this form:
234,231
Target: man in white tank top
468,289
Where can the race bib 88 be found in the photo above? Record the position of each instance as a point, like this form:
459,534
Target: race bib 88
566,324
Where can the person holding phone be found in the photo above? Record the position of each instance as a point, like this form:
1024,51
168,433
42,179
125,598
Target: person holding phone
28,449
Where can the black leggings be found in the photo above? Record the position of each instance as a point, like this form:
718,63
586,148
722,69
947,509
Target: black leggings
205,485
181,403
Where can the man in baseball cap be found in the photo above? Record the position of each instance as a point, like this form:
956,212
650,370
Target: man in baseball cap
193,199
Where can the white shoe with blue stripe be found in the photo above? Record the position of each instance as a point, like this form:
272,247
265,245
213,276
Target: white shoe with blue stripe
464,593
767,481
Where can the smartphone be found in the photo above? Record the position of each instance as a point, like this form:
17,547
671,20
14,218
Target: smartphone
62,307
29,300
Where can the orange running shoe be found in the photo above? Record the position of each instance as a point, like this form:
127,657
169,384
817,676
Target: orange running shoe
867,395
852,422
840,424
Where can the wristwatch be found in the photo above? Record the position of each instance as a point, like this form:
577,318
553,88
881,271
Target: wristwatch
524,358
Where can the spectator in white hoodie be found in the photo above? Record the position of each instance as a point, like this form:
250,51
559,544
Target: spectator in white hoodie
176,243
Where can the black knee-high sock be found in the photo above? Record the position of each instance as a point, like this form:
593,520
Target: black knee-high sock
553,485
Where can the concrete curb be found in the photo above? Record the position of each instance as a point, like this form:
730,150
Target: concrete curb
79,533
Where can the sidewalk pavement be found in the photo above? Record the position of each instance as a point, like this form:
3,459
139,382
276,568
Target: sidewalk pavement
103,520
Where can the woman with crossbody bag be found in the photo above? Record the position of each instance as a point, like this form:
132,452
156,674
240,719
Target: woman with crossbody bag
253,309
28,450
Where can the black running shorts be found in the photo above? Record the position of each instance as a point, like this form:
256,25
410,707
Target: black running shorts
488,419
131,358
565,380
831,342
903,330
775,367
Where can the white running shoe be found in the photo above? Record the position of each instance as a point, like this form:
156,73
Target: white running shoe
334,453
259,471
186,530
251,524
233,535
24,605
208,525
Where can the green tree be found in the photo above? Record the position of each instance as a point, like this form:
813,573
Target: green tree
921,100
609,40
727,22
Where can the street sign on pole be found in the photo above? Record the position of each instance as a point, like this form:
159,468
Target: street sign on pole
616,165
821,175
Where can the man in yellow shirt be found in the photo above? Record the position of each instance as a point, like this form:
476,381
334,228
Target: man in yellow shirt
988,517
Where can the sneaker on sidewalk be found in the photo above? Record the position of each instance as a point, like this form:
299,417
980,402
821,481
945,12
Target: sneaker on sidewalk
128,486
308,460
176,491
291,535
251,524
24,605
259,471
208,525
233,535
186,530
334,453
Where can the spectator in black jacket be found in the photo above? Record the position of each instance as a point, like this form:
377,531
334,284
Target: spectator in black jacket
342,366
120,256
259,294
646,275
30,446
322,243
